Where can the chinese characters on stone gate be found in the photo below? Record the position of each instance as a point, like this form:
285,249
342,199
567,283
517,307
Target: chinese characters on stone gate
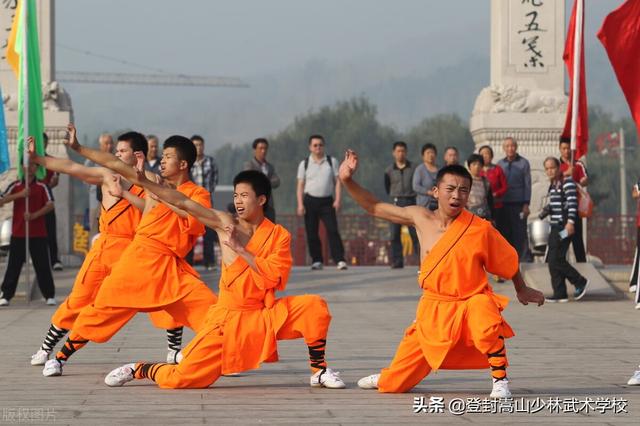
533,28
7,14
532,32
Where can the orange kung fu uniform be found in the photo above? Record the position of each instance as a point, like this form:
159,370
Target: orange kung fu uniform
117,228
458,320
152,275
243,327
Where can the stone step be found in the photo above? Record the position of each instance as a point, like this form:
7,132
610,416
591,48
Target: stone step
537,276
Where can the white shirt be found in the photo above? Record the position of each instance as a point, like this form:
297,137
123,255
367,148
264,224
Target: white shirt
320,178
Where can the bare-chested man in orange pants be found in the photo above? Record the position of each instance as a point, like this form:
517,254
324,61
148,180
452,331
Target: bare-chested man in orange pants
243,327
120,215
151,274
458,323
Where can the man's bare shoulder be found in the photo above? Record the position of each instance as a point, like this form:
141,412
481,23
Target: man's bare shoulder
419,212
106,174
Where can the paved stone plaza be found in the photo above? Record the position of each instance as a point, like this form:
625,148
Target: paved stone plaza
578,350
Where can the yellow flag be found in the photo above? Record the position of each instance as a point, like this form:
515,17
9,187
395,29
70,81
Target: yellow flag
12,55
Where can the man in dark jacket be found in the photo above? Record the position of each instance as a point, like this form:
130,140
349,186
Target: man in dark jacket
259,162
512,220
398,179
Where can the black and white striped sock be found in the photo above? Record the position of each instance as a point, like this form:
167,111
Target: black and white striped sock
174,338
52,338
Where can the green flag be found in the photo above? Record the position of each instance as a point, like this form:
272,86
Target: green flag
24,38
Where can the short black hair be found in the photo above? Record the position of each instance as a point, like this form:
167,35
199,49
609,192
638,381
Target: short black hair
197,138
316,136
456,170
136,140
184,147
259,182
475,158
427,146
401,144
451,147
565,140
486,147
45,137
258,141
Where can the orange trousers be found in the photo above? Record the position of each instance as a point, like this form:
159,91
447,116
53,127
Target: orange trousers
99,323
409,365
84,293
202,362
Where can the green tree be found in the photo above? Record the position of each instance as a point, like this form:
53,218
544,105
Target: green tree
441,130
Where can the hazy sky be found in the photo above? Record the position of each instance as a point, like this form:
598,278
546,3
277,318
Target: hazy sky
258,39
243,37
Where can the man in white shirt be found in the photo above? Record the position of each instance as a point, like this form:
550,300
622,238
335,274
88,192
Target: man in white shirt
317,181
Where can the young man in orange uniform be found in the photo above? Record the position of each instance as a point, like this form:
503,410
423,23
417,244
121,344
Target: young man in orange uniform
242,329
458,323
120,215
151,274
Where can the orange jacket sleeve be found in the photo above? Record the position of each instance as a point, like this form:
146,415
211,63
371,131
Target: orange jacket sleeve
191,225
274,265
500,257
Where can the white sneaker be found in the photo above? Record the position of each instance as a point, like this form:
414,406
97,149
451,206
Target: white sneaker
369,382
637,305
326,378
635,379
342,265
500,389
120,375
316,266
58,266
51,301
40,357
633,288
174,357
53,367
4,302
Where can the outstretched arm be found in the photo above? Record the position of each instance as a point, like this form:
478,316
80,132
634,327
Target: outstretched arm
90,175
105,159
366,199
209,217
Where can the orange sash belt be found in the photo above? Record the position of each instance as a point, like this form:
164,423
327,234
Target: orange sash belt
500,300
155,247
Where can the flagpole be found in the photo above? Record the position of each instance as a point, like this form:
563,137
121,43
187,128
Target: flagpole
623,180
577,59
24,70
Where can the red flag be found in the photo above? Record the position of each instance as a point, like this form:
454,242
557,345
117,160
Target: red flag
582,129
620,36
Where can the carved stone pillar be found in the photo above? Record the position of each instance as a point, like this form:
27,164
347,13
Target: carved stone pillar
526,97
